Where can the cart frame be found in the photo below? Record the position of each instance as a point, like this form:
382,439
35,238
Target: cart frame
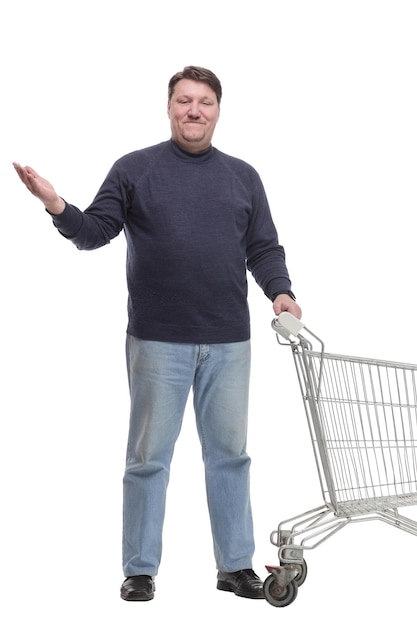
362,418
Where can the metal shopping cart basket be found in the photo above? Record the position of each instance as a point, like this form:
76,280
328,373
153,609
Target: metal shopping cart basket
362,417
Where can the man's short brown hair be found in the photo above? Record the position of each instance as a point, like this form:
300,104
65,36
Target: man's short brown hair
201,74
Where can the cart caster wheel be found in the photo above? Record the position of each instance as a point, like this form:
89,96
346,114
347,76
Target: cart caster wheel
278,596
300,578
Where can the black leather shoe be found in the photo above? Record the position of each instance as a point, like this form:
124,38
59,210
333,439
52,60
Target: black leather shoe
138,588
244,583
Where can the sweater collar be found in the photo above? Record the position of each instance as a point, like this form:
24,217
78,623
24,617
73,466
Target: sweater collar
195,156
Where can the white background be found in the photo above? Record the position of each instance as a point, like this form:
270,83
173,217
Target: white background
321,97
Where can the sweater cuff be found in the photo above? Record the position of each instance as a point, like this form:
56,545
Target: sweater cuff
278,293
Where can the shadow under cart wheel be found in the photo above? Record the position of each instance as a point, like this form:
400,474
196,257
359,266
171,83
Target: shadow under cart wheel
278,596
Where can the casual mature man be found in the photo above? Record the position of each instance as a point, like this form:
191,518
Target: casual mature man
195,219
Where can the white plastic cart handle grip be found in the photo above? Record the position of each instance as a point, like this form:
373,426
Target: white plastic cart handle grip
287,324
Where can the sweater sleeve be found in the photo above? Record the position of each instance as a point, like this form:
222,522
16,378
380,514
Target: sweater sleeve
102,220
265,256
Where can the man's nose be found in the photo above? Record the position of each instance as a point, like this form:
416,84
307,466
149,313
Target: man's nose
194,109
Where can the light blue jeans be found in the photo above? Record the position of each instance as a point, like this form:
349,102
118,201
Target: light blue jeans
161,376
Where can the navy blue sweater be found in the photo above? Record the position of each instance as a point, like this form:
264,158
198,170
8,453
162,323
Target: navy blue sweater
193,223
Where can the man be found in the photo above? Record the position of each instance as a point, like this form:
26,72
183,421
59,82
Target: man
194,219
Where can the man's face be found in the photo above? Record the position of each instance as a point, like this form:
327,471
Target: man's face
193,111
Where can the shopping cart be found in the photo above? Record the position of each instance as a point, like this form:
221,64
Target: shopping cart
362,417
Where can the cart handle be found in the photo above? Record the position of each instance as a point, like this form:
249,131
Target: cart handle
287,324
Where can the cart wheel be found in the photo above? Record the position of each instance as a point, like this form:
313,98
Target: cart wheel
277,596
300,578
